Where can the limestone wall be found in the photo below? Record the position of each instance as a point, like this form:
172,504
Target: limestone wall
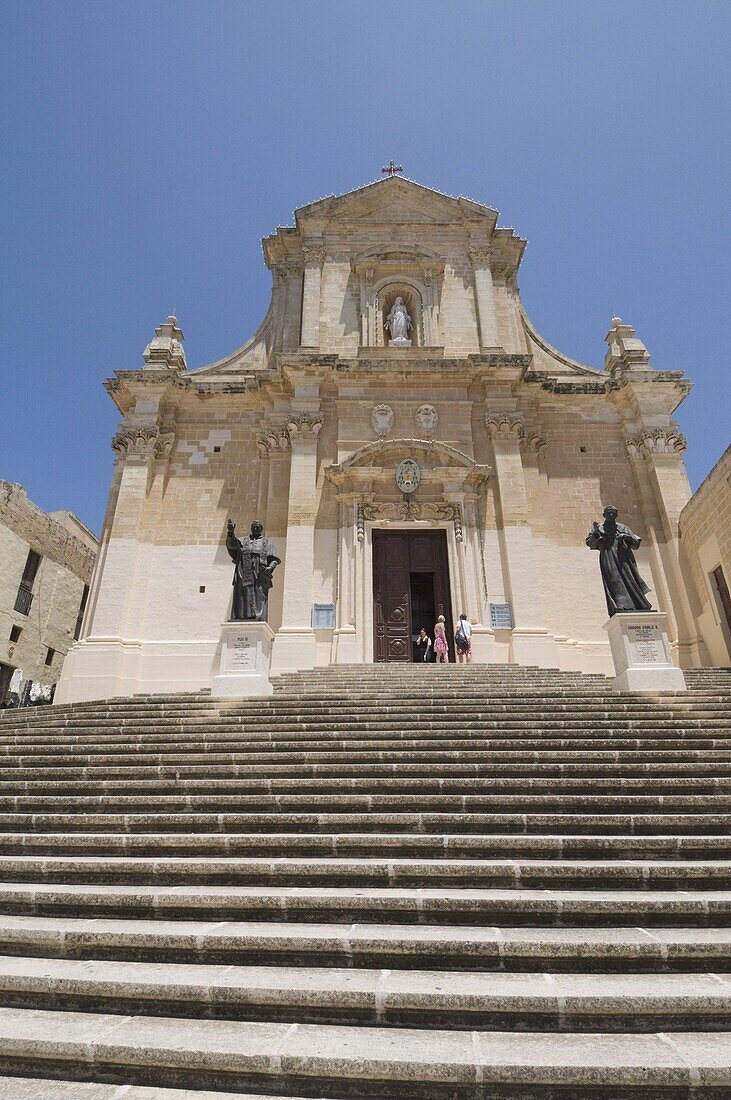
705,528
67,550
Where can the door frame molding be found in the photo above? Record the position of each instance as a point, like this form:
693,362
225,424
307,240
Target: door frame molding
365,626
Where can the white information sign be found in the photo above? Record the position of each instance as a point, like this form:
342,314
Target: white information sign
241,653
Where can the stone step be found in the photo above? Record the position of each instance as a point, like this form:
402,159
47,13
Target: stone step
487,768
380,803
191,822
395,762
293,871
518,1001
560,906
48,1088
395,729
607,949
361,1061
529,782
436,846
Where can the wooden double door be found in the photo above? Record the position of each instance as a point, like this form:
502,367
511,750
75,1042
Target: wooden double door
410,590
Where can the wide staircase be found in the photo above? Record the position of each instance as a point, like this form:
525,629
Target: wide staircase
464,882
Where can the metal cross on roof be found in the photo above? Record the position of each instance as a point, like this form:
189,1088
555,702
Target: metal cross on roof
391,169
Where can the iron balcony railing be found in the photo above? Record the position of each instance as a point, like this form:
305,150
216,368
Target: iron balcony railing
23,600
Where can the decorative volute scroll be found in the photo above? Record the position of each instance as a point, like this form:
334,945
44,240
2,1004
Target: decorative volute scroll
658,441
504,426
146,442
166,348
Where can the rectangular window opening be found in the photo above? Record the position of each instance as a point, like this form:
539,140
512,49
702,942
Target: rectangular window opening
15,632
50,654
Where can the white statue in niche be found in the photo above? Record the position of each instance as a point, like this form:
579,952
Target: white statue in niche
398,324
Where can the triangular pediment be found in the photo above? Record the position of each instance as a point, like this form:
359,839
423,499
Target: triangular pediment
392,200
396,212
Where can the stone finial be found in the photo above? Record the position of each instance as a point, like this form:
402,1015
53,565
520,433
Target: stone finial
626,351
166,348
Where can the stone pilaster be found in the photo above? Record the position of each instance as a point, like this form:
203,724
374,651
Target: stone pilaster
294,645
310,332
530,641
656,456
485,297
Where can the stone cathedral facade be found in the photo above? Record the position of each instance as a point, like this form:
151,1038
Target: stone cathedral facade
515,447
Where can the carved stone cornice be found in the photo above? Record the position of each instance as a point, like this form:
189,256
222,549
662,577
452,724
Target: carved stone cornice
660,441
505,427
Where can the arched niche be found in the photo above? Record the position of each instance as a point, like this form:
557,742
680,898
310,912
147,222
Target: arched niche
416,276
386,296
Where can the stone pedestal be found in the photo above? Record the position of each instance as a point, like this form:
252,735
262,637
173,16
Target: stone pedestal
641,652
246,650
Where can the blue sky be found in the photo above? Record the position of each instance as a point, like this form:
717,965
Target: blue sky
147,146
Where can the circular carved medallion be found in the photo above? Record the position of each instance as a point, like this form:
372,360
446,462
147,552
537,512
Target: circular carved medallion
382,419
426,418
408,476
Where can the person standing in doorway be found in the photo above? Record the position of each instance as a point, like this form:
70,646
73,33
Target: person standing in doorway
441,649
463,640
423,645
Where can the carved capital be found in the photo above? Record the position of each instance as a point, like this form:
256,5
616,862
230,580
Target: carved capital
535,443
280,274
313,254
504,427
304,426
480,256
657,442
146,442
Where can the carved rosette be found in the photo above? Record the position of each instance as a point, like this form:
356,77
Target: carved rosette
143,442
505,427
657,442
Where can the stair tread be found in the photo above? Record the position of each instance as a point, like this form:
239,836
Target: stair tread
367,1053
377,990
38,1088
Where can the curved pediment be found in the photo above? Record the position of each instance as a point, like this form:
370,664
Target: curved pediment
439,460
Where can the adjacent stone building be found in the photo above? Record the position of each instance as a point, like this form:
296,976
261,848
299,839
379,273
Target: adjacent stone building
46,563
705,530
515,448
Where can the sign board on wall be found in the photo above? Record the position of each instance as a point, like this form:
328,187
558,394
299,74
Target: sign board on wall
501,616
323,616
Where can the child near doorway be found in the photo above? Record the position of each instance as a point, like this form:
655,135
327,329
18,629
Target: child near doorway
463,640
441,649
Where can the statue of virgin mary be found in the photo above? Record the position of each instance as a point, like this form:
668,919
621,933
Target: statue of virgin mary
398,324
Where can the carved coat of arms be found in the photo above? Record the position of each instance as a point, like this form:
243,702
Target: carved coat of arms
408,476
